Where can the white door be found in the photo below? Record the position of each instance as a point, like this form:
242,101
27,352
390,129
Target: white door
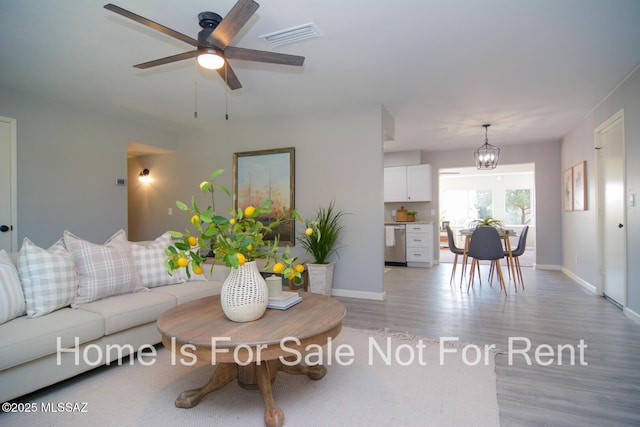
611,208
8,208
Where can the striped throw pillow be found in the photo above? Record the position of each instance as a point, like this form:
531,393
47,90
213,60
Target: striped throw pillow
12,302
149,258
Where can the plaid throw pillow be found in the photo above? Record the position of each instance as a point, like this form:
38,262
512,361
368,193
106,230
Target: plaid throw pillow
49,278
103,270
149,258
11,297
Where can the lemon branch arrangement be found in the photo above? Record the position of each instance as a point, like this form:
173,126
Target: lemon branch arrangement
233,239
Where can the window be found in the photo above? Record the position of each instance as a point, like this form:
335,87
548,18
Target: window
462,206
518,206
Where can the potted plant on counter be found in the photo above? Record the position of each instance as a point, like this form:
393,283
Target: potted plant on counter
411,216
321,241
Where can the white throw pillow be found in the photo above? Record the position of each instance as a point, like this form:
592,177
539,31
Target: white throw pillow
12,302
48,276
149,258
103,270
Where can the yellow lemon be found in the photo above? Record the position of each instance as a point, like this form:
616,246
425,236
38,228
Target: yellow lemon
241,258
192,240
197,270
292,274
183,262
249,247
202,184
249,211
299,268
278,267
308,231
195,219
232,221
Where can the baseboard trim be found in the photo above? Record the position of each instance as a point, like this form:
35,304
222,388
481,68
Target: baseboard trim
547,267
579,280
631,315
350,293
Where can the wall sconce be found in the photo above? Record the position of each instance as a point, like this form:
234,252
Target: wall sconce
144,176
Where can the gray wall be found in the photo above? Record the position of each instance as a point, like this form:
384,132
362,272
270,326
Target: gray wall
68,160
331,149
579,228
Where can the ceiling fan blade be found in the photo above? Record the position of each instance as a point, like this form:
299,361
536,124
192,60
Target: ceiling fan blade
241,53
231,24
151,24
229,76
167,60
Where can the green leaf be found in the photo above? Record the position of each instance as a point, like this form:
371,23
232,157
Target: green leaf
183,246
216,173
219,220
176,234
181,205
220,187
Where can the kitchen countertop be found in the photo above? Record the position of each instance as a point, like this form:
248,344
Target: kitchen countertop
391,222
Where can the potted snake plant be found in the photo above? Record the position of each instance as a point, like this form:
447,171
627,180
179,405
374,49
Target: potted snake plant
320,240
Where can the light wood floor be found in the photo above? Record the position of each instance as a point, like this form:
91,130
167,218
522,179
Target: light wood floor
551,310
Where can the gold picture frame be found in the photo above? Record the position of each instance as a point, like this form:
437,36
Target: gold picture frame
567,189
579,186
267,175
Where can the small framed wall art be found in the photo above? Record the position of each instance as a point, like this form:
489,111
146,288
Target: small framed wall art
579,186
567,189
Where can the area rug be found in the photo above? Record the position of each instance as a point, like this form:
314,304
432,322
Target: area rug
374,379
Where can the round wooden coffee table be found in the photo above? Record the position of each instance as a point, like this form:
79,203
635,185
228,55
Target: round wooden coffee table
253,352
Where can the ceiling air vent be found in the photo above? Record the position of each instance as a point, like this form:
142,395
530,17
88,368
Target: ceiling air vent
292,35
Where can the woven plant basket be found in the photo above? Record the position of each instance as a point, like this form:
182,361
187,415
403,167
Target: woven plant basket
244,294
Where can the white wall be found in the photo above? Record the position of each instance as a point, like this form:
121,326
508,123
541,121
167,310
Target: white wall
579,228
68,160
338,157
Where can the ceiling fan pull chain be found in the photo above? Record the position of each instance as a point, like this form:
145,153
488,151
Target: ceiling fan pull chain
226,92
195,89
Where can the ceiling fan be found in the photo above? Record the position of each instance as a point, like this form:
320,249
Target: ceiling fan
212,45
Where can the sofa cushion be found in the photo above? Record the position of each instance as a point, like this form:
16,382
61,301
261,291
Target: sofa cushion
189,291
103,270
122,312
24,339
12,302
149,258
48,276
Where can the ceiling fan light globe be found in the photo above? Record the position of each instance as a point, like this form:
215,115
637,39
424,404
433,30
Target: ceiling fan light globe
210,61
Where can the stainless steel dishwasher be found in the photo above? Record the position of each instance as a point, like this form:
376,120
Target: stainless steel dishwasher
395,250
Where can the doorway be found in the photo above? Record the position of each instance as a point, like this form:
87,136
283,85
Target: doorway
612,253
506,193
8,186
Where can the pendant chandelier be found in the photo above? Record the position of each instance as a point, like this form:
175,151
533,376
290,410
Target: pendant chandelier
487,155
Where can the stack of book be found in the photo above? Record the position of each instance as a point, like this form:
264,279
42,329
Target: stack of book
284,300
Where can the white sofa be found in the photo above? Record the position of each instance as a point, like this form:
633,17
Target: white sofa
30,356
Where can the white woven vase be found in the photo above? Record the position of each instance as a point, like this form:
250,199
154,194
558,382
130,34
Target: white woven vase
244,294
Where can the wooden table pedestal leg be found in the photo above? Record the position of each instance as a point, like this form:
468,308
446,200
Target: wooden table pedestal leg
313,372
223,375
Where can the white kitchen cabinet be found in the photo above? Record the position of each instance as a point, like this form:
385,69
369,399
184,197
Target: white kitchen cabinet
407,183
419,242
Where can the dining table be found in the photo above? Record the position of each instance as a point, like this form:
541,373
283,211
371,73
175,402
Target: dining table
505,234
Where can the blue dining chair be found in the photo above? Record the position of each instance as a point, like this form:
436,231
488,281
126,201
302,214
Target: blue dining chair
485,245
456,251
518,251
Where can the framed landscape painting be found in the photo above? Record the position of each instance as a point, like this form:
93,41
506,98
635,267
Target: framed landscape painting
267,175
580,187
567,189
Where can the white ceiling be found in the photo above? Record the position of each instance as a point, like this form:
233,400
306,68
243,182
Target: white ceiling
531,68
